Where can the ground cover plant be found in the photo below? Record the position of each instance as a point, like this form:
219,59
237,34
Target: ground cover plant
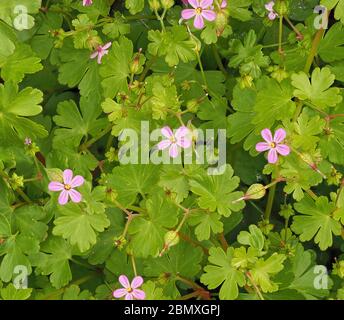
161,149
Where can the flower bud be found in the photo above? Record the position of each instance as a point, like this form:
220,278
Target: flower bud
154,5
167,4
282,7
16,181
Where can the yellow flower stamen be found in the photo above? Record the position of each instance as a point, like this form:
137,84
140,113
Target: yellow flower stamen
198,10
67,186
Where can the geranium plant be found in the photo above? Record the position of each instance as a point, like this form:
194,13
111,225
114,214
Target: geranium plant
164,149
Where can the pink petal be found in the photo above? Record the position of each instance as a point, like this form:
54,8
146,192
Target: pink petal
55,186
164,144
267,136
224,4
194,3
272,15
129,296
173,150
182,132
100,56
67,176
77,181
198,22
188,13
262,146
184,142
94,54
74,195
269,6
119,293
205,4
283,149
123,280
272,156
107,45
139,294
63,197
167,132
280,135
137,282
209,15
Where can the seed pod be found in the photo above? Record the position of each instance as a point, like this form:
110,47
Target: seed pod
255,191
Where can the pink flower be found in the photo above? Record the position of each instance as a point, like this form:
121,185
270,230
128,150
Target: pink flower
67,186
273,144
101,51
130,290
272,14
27,141
174,141
87,3
200,10
223,4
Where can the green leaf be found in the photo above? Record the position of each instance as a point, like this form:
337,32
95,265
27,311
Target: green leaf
240,123
10,15
182,260
174,44
152,291
115,67
273,103
148,231
134,6
339,11
316,221
11,293
331,47
76,125
130,180
53,260
27,221
14,106
221,273
216,192
206,223
164,96
332,140
117,27
21,62
254,238
264,269
318,90
78,226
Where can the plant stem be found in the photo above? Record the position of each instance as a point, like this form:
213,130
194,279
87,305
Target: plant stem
280,35
312,194
299,34
223,241
314,50
133,264
149,64
90,142
202,70
271,197
218,60
23,195
194,242
248,274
